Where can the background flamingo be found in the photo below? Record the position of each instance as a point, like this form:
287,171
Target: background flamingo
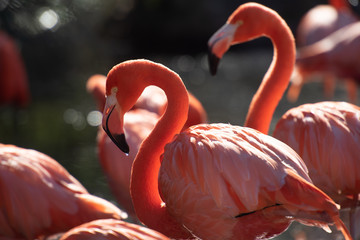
336,54
14,87
312,130
327,135
318,23
219,181
111,229
39,197
138,124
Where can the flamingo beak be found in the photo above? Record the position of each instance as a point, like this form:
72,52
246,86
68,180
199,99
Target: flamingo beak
213,62
115,121
219,43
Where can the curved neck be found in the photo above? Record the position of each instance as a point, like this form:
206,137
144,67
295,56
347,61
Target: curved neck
148,204
276,79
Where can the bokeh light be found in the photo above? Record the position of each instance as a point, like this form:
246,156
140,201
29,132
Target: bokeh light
48,18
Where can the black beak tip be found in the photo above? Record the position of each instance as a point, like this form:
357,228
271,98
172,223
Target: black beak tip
121,143
213,62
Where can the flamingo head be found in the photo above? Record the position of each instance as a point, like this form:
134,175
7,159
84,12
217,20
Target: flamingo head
121,96
113,118
247,22
219,43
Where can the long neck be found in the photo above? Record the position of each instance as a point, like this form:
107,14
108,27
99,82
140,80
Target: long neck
148,204
276,79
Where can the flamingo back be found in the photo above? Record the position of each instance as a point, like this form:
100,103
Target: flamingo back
39,197
321,21
152,99
111,229
211,175
326,135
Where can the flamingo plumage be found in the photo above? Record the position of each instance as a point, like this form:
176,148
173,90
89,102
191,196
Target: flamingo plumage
312,129
337,54
211,181
14,86
112,229
317,24
326,136
138,124
40,198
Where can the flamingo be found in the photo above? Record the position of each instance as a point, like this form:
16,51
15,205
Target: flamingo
14,87
318,23
324,134
211,181
112,229
337,54
138,124
327,135
40,198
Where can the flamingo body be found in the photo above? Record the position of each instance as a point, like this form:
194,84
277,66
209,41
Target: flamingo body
213,176
111,229
154,100
326,136
321,21
336,54
318,24
39,197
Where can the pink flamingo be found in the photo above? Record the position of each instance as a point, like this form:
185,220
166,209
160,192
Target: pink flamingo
337,54
14,87
112,229
320,133
138,124
40,198
317,24
327,135
212,181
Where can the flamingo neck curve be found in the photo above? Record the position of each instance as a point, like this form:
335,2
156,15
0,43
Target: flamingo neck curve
149,207
277,77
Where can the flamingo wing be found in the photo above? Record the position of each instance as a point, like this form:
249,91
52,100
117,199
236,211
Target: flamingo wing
39,197
233,171
111,229
326,135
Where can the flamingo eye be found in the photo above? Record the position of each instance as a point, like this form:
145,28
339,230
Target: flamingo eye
114,90
239,22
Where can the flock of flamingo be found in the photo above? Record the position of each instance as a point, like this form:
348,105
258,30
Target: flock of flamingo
179,177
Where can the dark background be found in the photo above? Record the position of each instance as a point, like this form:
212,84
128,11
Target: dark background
91,36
